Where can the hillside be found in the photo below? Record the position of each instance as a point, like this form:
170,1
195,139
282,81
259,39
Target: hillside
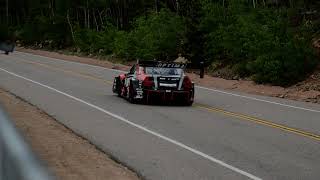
269,42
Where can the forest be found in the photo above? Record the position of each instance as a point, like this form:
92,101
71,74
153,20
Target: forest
268,41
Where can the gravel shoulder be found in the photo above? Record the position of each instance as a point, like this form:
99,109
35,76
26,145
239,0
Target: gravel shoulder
68,156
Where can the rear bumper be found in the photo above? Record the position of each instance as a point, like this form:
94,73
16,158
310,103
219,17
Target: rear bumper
168,95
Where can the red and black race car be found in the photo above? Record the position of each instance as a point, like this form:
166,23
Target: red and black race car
153,81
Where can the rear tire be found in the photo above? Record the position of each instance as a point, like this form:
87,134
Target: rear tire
131,94
6,53
116,88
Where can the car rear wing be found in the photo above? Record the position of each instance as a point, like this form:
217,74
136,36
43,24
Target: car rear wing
162,64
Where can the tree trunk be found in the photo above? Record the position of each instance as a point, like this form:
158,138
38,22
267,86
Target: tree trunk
121,16
95,20
88,23
88,15
71,29
77,14
100,16
156,3
52,8
85,18
7,11
178,6
17,18
118,17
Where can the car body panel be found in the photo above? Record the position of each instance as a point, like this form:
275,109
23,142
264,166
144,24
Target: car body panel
152,80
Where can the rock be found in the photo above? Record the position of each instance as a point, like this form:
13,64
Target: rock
115,67
235,77
181,59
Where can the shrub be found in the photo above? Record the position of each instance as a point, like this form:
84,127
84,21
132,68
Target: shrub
123,45
92,41
285,65
258,43
42,29
157,36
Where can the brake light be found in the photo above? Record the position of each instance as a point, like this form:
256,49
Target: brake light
187,84
148,82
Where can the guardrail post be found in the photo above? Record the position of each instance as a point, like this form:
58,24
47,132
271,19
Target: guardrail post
201,69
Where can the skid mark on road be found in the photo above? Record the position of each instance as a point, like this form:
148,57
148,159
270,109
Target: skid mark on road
201,106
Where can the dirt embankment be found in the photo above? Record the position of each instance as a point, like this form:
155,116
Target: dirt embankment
69,156
308,90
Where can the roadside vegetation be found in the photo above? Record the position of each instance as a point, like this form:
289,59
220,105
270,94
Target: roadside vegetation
269,41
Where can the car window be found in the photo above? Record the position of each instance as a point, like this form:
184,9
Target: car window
164,71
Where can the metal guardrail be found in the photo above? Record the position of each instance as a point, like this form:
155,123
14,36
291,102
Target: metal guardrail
17,161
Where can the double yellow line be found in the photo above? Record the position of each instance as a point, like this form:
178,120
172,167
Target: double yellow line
260,121
205,107
75,73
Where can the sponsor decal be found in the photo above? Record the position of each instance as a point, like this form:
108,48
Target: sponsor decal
170,65
168,85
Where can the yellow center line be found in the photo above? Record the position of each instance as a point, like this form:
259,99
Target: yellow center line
80,74
261,122
205,107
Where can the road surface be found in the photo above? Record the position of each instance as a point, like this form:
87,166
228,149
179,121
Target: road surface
225,135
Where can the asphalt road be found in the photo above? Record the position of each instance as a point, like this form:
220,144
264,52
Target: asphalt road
225,135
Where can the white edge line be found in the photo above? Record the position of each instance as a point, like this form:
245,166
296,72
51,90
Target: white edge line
261,100
177,143
200,87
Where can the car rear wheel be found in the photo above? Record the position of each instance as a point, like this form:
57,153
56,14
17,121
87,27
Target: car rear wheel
130,94
190,100
116,88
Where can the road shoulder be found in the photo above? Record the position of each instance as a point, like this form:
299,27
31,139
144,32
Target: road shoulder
67,155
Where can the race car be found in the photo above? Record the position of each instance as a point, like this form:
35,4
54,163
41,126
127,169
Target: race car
154,81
